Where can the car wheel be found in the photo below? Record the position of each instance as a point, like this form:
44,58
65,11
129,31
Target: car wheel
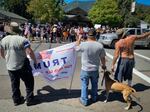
113,44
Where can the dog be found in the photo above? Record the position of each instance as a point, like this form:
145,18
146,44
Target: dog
113,85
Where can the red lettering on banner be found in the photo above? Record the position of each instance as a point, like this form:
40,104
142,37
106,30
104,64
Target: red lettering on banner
67,66
54,71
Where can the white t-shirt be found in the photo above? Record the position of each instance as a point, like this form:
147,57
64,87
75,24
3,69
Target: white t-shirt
14,47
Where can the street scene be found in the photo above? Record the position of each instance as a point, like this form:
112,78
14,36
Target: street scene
55,96
74,55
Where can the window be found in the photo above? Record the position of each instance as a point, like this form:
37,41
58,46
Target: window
130,32
138,31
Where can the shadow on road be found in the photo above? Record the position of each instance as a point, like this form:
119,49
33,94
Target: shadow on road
140,87
117,96
113,96
49,94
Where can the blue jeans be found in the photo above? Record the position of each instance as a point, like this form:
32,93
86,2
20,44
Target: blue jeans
85,77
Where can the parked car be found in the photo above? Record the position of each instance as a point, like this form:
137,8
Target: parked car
138,31
109,39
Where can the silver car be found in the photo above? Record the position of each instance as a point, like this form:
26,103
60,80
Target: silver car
138,31
108,39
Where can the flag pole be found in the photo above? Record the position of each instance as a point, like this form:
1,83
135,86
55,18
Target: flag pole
71,84
75,54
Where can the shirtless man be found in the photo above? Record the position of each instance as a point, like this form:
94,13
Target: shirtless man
124,50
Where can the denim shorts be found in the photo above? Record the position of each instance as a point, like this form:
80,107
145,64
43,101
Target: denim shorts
124,69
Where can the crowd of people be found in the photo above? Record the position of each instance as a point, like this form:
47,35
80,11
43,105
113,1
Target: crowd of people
53,32
93,55
57,33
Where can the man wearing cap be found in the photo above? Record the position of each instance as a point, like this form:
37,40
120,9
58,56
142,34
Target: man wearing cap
13,48
92,54
124,50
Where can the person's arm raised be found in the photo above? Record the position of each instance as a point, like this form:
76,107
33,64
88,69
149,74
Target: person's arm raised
142,36
79,40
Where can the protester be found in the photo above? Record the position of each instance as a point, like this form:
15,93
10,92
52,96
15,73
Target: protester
92,53
13,49
124,50
72,34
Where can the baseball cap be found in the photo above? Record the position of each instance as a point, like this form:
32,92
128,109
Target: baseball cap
14,24
92,33
13,28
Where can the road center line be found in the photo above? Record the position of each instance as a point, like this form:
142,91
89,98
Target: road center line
142,56
135,71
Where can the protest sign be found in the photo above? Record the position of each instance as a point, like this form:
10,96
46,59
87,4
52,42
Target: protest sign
56,63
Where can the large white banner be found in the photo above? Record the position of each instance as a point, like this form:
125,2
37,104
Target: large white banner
56,63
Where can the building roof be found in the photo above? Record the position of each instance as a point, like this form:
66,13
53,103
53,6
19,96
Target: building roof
11,16
78,18
79,5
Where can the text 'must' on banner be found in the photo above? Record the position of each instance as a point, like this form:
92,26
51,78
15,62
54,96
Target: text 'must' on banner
56,63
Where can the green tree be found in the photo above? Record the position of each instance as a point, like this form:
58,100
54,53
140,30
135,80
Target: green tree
2,4
143,12
124,7
17,6
147,18
45,10
132,21
105,12
129,19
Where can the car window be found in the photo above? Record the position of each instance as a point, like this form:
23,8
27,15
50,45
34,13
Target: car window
102,37
131,32
138,31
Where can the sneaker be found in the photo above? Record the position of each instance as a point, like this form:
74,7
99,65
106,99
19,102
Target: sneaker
20,101
84,104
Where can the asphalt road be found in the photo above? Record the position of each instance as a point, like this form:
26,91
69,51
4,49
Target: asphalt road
55,96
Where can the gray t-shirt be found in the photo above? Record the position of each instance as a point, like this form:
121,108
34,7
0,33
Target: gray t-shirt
92,52
14,47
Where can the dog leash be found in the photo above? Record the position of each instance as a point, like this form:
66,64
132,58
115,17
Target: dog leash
103,78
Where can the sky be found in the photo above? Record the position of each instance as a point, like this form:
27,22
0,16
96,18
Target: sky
146,2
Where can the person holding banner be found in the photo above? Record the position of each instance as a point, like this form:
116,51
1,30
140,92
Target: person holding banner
13,48
92,54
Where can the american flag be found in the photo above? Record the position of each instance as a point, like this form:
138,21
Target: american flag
46,54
